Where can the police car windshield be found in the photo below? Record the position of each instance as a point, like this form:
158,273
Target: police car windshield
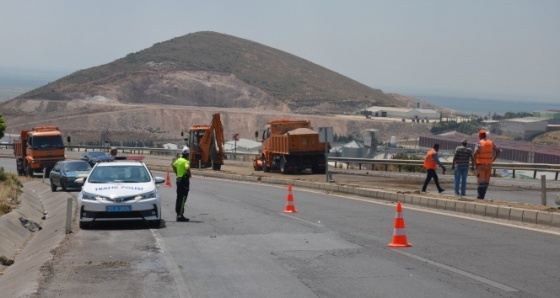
119,173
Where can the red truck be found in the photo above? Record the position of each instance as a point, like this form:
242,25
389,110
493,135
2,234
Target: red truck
38,149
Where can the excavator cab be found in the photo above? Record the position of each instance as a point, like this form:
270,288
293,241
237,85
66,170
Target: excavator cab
206,143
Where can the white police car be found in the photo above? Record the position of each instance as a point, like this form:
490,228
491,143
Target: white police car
119,190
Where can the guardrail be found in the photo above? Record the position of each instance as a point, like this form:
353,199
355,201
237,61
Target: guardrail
359,162
555,168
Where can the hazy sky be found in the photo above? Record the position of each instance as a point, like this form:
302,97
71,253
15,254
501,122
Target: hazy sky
505,49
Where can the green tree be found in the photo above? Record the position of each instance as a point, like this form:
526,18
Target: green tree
2,126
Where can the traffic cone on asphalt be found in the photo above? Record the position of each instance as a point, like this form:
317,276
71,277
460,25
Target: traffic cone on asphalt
399,236
290,207
167,180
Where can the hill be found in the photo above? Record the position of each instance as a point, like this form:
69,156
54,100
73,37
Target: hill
160,90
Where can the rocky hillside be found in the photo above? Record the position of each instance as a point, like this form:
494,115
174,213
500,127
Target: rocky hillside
157,92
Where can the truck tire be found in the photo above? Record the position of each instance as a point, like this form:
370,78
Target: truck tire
283,165
317,170
265,166
19,167
29,171
155,224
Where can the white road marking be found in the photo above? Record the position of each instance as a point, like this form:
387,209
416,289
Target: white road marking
458,271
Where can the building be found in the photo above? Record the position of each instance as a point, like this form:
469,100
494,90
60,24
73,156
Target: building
548,114
243,146
522,128
405,113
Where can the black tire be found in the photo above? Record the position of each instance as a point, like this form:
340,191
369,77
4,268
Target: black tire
316,170
283,165
53,187
62,185
29,171
217,167
265,166
84,225
19,168
155,224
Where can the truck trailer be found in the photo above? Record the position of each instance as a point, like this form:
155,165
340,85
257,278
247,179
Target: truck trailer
290,146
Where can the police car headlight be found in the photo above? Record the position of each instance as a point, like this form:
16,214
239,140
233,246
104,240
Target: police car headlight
146,195
89,196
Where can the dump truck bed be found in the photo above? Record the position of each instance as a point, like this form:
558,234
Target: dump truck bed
298,141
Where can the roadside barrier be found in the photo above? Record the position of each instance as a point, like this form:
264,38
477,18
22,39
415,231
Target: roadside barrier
399,235
290,207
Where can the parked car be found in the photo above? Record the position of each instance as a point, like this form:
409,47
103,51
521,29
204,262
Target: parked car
92,156
120,190
65,173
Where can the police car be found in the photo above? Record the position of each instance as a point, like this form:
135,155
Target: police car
120,190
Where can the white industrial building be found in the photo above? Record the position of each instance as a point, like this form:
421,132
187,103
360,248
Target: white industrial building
406,113
243,146
523,128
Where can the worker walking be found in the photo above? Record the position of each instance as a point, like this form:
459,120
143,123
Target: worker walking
485,153
182,168
463,156
430,163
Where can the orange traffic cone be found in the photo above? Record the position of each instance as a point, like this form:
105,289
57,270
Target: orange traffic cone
290,208
399,236
167,180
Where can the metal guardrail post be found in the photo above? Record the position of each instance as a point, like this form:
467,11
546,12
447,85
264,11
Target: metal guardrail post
69,216
543,190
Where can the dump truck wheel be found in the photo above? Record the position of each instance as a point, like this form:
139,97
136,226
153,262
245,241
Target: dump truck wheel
265,166
283,165
29,171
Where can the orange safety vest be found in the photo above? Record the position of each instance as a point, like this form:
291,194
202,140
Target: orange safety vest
486,152
430,161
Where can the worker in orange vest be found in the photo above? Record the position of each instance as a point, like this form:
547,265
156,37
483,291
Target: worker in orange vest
430,163
485,153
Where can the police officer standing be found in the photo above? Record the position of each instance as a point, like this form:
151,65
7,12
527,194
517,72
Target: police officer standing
182,168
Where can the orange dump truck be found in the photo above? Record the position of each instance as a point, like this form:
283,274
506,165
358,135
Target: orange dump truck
38,149
290,146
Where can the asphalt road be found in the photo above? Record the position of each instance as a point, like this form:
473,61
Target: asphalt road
240,243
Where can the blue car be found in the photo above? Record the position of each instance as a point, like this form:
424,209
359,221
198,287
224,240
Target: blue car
65,173
93,156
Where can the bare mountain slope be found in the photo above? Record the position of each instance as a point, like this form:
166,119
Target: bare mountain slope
157,92
158,122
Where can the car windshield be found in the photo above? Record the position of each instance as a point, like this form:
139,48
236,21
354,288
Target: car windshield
76,166
120,173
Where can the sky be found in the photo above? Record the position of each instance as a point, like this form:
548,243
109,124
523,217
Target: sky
497,49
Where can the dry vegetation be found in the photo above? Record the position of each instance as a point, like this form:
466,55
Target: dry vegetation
10,189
